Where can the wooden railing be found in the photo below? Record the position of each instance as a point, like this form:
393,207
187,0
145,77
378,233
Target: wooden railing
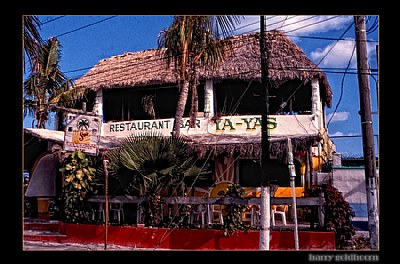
300,201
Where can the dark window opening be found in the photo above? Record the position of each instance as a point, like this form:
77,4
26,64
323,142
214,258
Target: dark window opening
145,104
238,98
90,100
243,98
278,173
291,97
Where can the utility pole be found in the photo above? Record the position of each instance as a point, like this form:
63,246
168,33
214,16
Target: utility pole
265,208
367,131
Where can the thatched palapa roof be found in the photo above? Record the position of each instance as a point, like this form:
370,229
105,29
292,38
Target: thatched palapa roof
137,69
248,146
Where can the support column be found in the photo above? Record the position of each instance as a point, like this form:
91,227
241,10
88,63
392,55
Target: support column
316,104
98,104
209,99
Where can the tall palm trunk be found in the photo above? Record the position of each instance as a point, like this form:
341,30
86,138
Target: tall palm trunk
195,100
193,41
180,107
183,93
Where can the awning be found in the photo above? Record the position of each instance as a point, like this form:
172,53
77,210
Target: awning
58,137
249,146
43,179
223,144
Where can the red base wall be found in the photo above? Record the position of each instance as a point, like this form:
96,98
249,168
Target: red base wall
191,239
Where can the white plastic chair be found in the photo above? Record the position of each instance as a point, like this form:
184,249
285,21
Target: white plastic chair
198,210
278,212
98,213
201,210
117,210
254,210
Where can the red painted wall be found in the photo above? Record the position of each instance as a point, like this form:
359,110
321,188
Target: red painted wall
193,239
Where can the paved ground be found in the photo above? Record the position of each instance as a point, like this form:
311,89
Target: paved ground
53,246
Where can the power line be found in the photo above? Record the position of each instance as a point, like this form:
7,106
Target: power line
51,20
341,87
283,105
88,25
315,23
236,29
348,136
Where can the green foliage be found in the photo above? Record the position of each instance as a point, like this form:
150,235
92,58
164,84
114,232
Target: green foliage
78,185
233,217
338,213
148,164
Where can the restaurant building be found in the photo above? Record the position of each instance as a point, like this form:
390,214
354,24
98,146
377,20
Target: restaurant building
137,92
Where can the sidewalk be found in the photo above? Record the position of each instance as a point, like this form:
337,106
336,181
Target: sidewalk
54,246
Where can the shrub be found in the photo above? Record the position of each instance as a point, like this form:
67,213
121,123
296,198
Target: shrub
338,213
233,216
78,178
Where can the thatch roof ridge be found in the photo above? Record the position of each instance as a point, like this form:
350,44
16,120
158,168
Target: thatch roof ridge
148,67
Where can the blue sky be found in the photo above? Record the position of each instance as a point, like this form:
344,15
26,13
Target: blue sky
86,40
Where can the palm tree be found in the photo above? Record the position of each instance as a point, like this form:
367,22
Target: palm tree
149,164
193,41
44,82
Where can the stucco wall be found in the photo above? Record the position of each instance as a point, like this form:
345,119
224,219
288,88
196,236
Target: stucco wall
350,181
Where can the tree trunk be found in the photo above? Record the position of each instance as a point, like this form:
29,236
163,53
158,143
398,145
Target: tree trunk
180,108
194,108
183,92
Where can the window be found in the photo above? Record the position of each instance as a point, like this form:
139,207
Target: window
145,103
250,173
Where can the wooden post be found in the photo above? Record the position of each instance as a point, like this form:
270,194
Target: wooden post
265,208
292,172
321,210
105,160
371,181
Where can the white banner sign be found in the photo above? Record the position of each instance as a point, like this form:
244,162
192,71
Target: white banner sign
278,125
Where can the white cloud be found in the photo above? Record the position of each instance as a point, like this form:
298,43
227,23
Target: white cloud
295,25
338,116
339,54
341,134
304,25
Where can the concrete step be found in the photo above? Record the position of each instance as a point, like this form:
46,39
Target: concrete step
51,225
43,235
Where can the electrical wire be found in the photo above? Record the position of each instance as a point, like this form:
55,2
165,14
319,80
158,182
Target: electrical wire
51,20
341,87
85,26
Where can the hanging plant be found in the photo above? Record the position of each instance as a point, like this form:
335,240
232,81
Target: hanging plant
233,217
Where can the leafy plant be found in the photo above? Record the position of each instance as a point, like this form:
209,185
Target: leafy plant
148,164
78,180
233,217
338,213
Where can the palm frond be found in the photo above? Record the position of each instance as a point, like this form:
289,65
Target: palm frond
32,38
150,161
50,55
67,96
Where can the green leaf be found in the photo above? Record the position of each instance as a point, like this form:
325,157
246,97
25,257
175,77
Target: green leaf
81,155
